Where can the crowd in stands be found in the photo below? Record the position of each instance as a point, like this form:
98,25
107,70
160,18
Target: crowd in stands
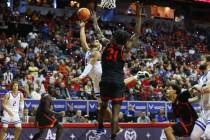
45,61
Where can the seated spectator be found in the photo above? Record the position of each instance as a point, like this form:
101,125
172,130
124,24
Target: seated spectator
33,70
8,77
25,117
69,113
73,93
63,68
33,111
161,116
143,118
131,111
35,93
38,84
82,94
62,92
121,117
78,118
88,89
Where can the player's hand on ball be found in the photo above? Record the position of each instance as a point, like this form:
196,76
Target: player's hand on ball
82,24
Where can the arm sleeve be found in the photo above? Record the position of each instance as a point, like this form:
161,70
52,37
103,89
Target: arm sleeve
86,71
208,76
22,105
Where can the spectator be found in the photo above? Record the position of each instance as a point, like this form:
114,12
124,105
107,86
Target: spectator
33,111
161,116
63,68
62,92
8,77
33,70
121,117
88,88
69,113
39,85
25,117
78,118
131,111
143,118
35,93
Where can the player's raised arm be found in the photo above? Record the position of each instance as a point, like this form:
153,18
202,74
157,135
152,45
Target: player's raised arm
83,37
4,105
97,29
137,33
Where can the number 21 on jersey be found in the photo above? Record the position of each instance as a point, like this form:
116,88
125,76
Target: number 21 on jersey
112,54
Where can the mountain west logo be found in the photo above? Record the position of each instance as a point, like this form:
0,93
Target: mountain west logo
130,134
27,105
93,105
151,106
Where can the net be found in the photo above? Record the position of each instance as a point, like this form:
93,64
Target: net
110,4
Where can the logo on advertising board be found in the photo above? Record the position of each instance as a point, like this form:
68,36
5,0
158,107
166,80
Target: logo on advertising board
130,134
50,135
93,105
92,135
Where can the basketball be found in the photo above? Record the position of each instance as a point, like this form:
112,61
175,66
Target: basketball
83,14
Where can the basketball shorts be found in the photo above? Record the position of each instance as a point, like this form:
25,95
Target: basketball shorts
181,131
112,91
6,120
46,121
205,115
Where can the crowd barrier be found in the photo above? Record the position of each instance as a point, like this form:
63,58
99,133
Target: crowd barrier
152,131
91,105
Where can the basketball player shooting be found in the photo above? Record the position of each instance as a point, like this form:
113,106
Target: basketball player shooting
46,118
13,104
112,85
93,67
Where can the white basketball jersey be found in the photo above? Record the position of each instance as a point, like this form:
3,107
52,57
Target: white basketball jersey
88,56
205,98
13,103
95,73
